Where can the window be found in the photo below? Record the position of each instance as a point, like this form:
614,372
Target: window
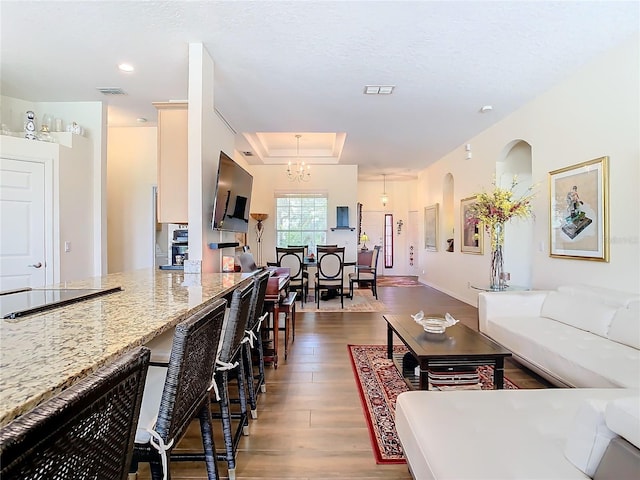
388,241
301,219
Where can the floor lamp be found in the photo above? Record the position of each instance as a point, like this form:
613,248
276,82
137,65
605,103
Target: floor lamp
259,217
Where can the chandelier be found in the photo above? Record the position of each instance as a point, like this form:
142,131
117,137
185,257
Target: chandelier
299,172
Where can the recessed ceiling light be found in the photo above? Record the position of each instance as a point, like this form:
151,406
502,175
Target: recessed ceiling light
486,108
141,120
125,67
378,89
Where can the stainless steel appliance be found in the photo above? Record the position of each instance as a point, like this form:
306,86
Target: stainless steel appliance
180,247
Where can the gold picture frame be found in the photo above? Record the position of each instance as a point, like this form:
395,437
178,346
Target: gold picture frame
471,231
431,228
579,211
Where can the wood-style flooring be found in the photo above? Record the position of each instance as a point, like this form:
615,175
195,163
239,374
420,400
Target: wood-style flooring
310,421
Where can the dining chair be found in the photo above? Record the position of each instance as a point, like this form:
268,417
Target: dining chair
366,274
293,259
330,272
179,391
84,432
305,247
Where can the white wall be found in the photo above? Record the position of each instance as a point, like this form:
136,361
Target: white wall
594,113
131,174
401,200
68,202
340,182
208,135
93,117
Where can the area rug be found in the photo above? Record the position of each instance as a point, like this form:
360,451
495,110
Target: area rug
399,281
363,301
379,384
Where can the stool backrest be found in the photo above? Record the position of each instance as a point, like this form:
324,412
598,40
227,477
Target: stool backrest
86,431
236,324
260,282
190,370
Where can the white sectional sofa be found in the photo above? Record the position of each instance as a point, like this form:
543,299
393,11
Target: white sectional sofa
576,336
553,434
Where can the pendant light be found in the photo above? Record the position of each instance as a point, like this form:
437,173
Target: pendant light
384,197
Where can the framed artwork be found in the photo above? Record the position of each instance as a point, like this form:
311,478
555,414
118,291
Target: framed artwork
431,228
471,237
579,211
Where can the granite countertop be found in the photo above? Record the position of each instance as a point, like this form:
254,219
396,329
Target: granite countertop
44,353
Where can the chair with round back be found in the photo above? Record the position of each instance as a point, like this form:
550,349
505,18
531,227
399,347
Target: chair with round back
85,432
293,259
330,272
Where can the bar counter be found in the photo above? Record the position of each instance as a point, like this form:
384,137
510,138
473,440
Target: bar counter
44,353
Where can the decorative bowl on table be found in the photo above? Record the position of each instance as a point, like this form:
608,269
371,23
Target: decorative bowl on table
433,324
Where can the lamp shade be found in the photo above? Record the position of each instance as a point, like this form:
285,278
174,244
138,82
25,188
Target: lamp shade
259,217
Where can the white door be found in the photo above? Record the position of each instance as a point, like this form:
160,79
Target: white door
22,224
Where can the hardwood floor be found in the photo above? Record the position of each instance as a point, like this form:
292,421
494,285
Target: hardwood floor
310,422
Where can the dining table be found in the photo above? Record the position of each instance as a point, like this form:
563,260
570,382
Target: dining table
43,353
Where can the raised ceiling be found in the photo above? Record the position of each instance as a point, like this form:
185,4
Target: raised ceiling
283,68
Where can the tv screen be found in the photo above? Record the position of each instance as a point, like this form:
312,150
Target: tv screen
233,196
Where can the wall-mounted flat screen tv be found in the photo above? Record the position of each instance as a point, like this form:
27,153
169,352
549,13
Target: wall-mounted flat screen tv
233,196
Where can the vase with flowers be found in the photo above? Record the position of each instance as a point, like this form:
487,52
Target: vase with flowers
494,209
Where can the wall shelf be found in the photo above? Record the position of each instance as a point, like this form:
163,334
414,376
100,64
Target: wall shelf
333,229
216,246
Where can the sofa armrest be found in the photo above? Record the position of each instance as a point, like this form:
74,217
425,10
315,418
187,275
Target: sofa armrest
509,304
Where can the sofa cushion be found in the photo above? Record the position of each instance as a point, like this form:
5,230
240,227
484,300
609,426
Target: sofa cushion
589,436
576,357
625,327
623,417
613,298
583,314
491,434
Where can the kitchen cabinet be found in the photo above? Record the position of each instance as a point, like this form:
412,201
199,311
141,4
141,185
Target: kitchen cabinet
172,162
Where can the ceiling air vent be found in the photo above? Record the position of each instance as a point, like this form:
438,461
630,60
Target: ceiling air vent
111,91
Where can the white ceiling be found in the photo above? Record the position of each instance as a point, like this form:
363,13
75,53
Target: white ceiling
301,67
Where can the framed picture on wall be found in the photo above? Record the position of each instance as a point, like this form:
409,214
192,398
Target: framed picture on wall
431,228
470,228
579,211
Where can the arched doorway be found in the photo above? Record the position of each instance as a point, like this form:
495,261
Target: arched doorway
518,238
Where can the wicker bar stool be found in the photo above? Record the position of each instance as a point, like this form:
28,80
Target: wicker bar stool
229,365
85,432
253,341
178,392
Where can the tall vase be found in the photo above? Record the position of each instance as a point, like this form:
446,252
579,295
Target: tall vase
496,279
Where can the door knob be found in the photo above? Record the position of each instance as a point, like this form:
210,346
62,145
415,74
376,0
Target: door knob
36,265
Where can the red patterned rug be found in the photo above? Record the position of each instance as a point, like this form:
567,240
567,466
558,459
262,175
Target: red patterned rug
379,384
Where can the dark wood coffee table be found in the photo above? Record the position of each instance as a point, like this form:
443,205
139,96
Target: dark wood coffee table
458,346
